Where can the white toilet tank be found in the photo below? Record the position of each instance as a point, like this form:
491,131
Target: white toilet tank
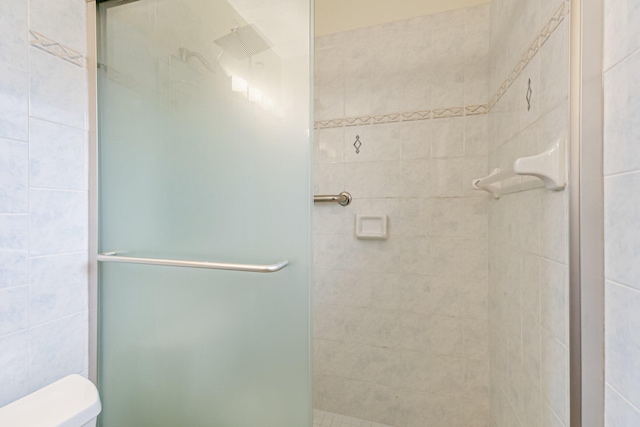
70,402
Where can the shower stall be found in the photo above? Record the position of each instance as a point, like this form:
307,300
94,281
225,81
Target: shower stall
411,298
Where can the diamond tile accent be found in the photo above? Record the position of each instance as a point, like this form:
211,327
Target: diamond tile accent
549,28
52,47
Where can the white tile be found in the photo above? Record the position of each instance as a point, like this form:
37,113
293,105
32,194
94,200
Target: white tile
357,98
13,176
622,340
448,137
58,221
622,30
554,375
330,101
386,95
58,157
621,108
58,286
373,179
622,243
416,139
58,90
330,179
14,367
56,350
447,177
64,21
14,103
14,232
619,412
553,299
476,135
554,70
14,268
14,313
13,45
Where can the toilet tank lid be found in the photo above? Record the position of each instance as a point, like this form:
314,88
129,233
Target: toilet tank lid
69,402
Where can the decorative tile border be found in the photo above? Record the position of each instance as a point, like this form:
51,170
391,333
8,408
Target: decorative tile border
44,43
409,116
550,27
472,110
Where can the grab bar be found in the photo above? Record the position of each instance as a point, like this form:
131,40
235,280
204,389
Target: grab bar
343,199
253,268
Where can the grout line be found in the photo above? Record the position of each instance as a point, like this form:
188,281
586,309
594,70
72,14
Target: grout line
608,384
628,287
620,61
617,174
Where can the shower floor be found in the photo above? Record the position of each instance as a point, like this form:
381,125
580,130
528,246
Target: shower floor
329,419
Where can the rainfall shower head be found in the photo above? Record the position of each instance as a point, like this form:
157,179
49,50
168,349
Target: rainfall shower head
243,42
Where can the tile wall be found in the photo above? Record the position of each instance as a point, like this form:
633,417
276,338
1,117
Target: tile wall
622,212
528,234
400,325
43,194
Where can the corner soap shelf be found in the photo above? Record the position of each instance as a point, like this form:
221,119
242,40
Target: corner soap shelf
549,166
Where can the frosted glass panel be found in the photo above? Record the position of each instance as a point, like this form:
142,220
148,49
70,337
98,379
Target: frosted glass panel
204,155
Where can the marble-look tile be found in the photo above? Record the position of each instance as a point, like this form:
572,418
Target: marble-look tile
554,375
619,412
448,137
416,139
476,135
622,30
622,340
621,108
58,221
622,243
377,143
554,70
57,90
357,98
14,103
58,157
14,313
64,21
554,299
330,179
415,178
447,177
14,268
13,45
58,286
56,350
329,101
373,179
14,232
13,176
14,367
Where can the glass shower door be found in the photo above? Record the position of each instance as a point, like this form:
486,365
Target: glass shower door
204,155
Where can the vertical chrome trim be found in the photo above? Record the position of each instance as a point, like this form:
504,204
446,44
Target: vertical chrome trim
92,75
586,216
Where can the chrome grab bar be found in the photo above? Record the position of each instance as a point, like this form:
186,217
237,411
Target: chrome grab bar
253,268
343,198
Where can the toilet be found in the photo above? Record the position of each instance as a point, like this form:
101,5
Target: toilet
72,401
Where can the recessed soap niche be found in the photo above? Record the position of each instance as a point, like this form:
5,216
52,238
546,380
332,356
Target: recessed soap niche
371,227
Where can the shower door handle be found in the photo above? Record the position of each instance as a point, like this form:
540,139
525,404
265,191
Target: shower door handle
252,268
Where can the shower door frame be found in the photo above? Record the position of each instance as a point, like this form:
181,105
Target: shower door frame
586,216
586,211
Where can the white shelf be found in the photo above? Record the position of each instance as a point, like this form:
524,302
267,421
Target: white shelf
549,166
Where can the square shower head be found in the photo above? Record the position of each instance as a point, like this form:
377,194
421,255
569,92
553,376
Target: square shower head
243,42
